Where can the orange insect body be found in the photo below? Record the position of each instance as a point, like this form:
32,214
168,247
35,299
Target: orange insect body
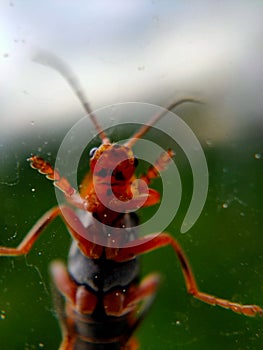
104,300
104,179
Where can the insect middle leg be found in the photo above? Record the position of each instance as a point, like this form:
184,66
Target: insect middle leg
152,242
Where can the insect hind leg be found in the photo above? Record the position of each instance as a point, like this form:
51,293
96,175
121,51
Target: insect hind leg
144,295
153,242
77,298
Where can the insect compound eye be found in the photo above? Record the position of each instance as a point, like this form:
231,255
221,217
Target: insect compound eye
119,175
92,152
136,162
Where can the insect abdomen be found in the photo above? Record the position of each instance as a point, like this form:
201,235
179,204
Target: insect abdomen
101,275
108,334
98,330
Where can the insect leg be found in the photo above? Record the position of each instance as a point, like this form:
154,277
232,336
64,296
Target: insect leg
146,291
137,300
27,243
132,344
160,165
119,302
145,294
152,173
67,343
152,242
66,326
73,224
81,299
77,298
61,183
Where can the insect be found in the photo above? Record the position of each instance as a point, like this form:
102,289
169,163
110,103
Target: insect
104,300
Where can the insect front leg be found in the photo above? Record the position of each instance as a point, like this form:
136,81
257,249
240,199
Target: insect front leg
152,242
71,194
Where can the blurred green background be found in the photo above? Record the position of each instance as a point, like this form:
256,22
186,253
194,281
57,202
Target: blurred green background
148,51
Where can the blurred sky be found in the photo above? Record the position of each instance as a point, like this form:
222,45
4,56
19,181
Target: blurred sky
129,50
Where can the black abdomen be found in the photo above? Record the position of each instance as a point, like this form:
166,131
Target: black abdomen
101,275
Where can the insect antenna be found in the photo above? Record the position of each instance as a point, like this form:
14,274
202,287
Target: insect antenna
143,130
48,59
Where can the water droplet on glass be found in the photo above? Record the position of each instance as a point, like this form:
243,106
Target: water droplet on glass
2,315
257,155
209,142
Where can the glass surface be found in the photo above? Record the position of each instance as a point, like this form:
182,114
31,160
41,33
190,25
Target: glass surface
149,52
